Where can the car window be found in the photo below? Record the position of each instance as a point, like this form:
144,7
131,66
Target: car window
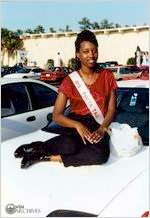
114,70
143,96
135,69
54,127
23,70
41,96
124,70
101,64
127,70
133,109
37,70
111,63
14,99
141,103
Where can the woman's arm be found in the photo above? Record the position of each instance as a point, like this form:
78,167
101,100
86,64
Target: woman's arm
111,110
99,133
58,112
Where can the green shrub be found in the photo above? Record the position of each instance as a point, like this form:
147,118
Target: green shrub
72,63
131,61
50,63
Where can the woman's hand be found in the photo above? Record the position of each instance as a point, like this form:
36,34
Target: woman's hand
97,135
83,131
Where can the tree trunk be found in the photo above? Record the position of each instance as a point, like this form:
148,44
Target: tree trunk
8,58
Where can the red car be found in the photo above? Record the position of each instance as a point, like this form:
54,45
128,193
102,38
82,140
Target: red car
57,74
144,75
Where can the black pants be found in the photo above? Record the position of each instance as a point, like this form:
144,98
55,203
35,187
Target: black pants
73,151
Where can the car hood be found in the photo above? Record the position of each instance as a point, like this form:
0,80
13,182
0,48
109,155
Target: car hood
48,186
16,75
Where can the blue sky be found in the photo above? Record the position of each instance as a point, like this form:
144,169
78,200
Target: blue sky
57,14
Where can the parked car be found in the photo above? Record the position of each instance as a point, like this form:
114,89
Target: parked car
57,74
26,72
119,188
108,64
111,63
131,71
102,64
67,70
144,75
25,106
10,70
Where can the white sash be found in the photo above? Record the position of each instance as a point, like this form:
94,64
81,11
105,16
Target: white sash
87,97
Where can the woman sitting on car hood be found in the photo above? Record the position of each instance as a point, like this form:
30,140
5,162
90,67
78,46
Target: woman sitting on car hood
84,141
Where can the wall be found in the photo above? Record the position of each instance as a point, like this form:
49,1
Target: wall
114,44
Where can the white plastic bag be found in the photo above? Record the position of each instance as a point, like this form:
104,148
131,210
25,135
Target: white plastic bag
124,140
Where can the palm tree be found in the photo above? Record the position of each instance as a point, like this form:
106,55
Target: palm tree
67,29
10,43
19,32
95,25
85,24
4,35
106,25
52,30
39,29
29,31
117,25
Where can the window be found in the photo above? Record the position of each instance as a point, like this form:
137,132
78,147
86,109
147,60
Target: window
23,70
137,114
124,70
114,70
41,96
124,96
134,69
14,99
37,70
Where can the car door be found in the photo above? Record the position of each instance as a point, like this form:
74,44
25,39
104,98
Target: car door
24,112
42,100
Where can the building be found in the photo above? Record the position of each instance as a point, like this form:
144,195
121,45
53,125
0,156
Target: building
117,44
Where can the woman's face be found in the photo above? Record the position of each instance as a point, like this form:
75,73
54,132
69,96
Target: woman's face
88,54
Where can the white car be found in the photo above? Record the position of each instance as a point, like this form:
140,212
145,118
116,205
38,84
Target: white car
121,72
119,188
26,72
25,106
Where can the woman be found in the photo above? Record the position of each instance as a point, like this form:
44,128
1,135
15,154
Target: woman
85,142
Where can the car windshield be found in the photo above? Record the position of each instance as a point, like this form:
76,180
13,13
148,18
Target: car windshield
23,70
133,115
114,70
127,70
111,63
37,70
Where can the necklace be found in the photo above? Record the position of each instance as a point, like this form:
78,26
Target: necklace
89,79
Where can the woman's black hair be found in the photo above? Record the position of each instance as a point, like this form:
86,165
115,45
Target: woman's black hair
85,35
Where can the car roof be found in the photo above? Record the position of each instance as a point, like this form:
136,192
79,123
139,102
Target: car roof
123,66
17,80
137,83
